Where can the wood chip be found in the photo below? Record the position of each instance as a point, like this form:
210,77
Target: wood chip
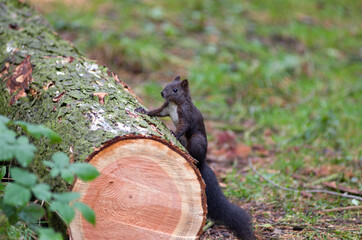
19,81
101,97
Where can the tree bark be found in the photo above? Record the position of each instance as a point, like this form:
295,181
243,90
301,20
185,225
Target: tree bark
149,187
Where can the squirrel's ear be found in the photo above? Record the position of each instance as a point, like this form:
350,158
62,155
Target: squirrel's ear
185,84
177,78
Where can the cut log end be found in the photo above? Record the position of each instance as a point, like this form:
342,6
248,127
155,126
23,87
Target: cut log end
147,190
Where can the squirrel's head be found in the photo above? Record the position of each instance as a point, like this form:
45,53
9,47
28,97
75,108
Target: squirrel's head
176,91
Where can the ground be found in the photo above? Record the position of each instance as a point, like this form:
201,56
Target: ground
278,83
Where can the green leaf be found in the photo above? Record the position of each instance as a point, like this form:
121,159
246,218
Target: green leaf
2,172
7,209
49,234
3,128
54,137
64,210
4,120
42,191
39,131
61,160
86,211
13,219
84,171
66,197
24,152
6,152
67,175
54,172
10,212
49,164
31,213
16,195
7,148
8,137
23,177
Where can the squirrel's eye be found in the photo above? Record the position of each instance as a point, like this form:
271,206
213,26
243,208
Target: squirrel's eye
175,90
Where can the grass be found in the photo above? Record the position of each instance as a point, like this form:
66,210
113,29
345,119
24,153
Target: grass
293,68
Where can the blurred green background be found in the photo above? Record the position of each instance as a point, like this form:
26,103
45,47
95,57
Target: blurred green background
282,77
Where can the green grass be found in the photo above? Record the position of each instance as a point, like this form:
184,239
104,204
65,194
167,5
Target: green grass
293,67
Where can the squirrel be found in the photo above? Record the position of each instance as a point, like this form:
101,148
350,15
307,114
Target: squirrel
190,131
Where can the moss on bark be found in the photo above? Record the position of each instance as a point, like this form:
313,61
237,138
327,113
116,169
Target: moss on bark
63,92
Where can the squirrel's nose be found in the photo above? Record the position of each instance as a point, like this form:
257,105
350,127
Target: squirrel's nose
162,93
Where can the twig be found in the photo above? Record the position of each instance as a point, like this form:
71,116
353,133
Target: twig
341,209
326,179
208,225
7,178
293,225
302,191
342,189
311,228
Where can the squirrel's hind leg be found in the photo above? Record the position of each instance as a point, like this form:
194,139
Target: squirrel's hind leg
197,147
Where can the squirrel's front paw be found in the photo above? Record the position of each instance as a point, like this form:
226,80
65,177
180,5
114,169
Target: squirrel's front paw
141,110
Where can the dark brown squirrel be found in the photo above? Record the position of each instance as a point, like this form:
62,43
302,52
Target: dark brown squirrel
190,131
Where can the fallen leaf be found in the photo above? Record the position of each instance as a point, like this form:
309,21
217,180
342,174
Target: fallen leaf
261,150
219,152
326,170
268,132
225,137
248,123
306,194
242,150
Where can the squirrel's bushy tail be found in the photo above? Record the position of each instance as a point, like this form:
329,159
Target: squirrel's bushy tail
221,210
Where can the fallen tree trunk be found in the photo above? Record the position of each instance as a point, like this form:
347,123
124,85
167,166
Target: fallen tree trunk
141,194
149,187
